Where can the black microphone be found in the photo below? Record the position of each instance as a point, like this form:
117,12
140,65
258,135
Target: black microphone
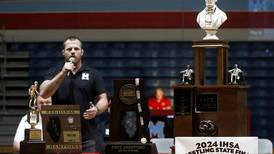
72,61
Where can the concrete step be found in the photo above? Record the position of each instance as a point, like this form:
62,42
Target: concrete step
12,113
17,74
16,70
17,87
17,90
15,83
6,140
7,118
17,55
18,64
19,102
8,130
15,94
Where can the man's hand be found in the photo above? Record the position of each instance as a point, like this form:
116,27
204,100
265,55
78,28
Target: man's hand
42,101
68,66
91,112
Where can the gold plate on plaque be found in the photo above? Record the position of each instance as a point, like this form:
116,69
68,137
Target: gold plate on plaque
127,94
71,136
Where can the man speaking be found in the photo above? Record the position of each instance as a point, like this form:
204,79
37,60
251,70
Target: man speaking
75,83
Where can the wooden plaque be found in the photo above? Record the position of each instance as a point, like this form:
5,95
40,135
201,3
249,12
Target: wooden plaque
125,117
62,129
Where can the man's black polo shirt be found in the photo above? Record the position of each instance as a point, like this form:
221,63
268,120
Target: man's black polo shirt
81,88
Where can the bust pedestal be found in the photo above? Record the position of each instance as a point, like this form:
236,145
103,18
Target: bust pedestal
199,48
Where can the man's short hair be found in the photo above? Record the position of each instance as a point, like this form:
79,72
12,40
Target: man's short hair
72,38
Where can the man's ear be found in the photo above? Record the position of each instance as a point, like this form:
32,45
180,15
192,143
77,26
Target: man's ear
83,52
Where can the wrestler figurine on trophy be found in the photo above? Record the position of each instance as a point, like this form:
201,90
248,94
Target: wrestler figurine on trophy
210,19
33,114
33,93
187,75
236,75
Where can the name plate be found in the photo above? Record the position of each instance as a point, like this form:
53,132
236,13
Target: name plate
62,128
216,145
206,102
33,134
130,147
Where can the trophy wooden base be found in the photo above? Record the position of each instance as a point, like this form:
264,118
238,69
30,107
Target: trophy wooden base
32,147
128,147
225,106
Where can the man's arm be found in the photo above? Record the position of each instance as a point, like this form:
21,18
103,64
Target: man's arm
102,103
49,87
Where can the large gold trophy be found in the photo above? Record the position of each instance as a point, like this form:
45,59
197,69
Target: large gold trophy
33,114
33,143
211,108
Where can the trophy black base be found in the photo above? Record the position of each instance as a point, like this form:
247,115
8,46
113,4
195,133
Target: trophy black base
32,147
128,147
